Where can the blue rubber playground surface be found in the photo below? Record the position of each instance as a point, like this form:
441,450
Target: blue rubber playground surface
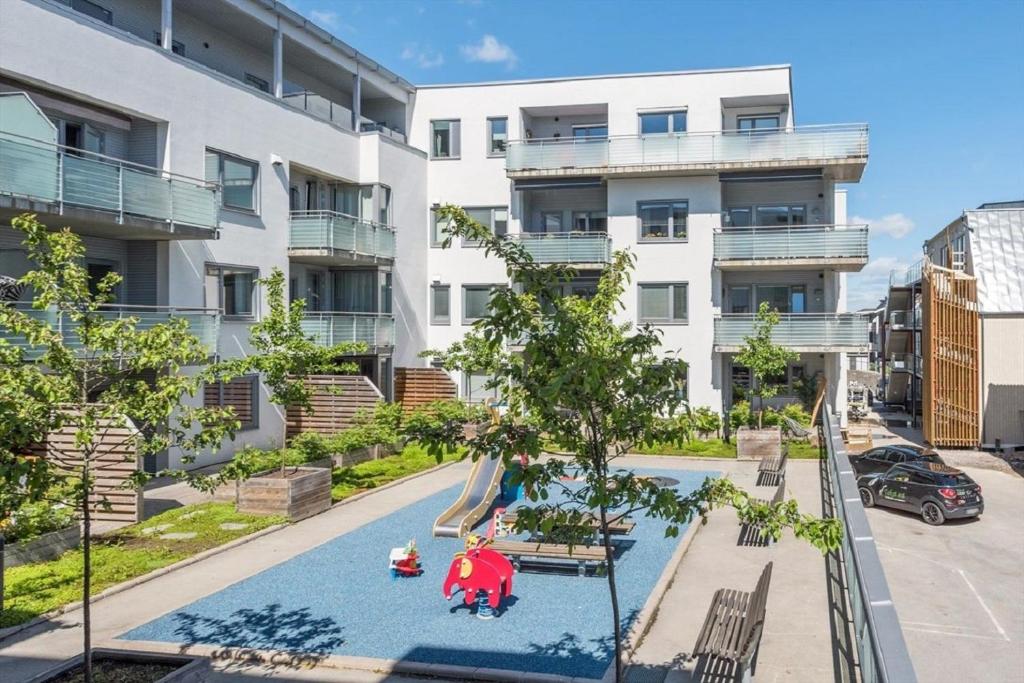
339,598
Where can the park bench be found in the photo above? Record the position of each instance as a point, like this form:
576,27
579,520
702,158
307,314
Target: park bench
582,555
732,628
772,470
617,526
750,534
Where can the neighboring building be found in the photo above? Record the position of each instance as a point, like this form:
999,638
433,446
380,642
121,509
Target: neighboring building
977,263
313,158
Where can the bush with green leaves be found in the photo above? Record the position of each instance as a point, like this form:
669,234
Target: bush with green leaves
32,520
740,415
796,412
443,421
706,422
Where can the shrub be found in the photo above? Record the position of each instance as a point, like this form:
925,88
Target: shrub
740,415
706,421
313,446
35,519
796,412
443,419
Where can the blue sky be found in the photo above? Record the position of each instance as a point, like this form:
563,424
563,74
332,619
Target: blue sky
940,83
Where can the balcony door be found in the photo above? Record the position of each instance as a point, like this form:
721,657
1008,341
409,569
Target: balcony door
783,298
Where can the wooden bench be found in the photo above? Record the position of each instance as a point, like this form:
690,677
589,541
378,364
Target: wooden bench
580,554
732,628
772,470
750,534
617,526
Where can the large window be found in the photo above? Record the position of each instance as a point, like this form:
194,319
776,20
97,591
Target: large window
474,387
783,298
438,228
663,302
550,221
440,304
597,131
590,221
232,290
663,220
497,136
356,291
476,301
241,394
662,122
445,139
238,178
758,123
495,218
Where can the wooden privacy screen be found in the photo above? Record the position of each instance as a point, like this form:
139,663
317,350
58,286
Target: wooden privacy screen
951,352
416,386
239,394
113,463
336,400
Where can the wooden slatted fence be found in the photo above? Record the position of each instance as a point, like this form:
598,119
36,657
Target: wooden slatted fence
336,400
417,386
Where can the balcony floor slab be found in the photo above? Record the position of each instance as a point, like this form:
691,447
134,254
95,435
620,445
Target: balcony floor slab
842,264
848,170
336,257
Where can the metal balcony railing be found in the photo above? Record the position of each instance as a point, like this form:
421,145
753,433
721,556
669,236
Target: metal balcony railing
841,141
792,242
204,323
329,230
323,108
566,247
907,276
881,648
330,328
807,330
69,177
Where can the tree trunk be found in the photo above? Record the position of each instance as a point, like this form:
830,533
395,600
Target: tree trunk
86,575
609,556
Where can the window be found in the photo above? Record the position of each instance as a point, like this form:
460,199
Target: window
440,304
257,82
682,385
476,301
238,178
783,298
438,228
356,291
97,271
384,210
550,221
232,290
663,220
177,47
93,10
597,131
474,387
495,218
739,217
960,252
740,381
758,123
241,393
590,221
445,140
739,300
781,215
316,287
497,136
663,122
663,303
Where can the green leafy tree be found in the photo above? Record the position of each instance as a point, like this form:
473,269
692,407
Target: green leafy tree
106,382
285,356
595,389
764,358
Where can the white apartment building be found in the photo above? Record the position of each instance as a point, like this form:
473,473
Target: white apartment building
197,144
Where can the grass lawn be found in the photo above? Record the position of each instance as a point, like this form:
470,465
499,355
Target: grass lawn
348,481
716,448
34,589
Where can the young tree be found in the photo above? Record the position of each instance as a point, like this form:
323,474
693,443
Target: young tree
82,371
764,358
595,389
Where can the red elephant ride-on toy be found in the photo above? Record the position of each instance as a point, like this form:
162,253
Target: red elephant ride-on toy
483,575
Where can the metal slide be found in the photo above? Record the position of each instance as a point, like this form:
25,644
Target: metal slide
477,496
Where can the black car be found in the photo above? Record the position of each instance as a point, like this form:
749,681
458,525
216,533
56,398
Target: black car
935,491
882,458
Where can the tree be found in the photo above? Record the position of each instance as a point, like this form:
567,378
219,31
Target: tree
102,380
284,355
595,389
765,359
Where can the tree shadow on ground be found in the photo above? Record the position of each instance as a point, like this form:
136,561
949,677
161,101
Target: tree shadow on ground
270,637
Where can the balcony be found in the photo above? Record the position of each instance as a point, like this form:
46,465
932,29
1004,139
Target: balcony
843,247
97,194
570,248
841,148
202,322
323,108
907,277
805,332
330,238
905,320
376,330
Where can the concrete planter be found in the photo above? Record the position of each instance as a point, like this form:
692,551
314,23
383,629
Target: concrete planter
754,444
190,669
303,492
46,547
228,491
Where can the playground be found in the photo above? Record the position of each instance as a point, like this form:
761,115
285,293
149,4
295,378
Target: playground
342,598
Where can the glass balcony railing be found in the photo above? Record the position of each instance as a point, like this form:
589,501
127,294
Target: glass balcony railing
323,108
68,177
331,231
566,247
833,142
809,242
905,320
329,328
906,276
809,330
202,322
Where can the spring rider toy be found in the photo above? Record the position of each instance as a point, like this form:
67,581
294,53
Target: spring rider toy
484,575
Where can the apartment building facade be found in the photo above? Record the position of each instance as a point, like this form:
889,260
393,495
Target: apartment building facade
195,146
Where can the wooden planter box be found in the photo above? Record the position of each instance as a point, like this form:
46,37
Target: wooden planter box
375,452
190,669
228,491
304,492
46,547
754,444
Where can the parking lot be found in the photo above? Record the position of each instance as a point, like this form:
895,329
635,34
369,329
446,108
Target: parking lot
959,588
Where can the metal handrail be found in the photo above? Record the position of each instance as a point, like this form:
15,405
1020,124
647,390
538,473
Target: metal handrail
903,277
883,655
815,227
763,132
566,247
317,213
571,234
328,327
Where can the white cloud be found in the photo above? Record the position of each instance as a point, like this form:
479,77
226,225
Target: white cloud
424,57
490,50
865,288
895,225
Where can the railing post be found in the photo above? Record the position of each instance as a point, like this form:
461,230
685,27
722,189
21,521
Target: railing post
60,181
120,193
